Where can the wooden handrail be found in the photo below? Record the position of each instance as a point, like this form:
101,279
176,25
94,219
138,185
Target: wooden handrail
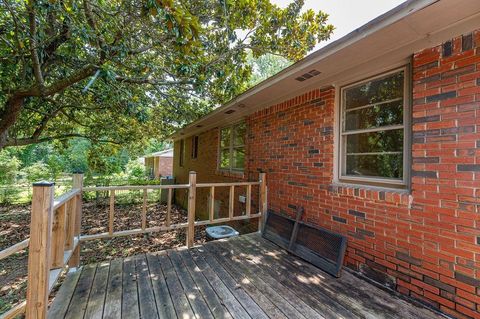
133,187
14,249
172,186
55,230
65,198
201,185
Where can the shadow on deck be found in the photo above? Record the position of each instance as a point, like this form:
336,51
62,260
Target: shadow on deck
243,277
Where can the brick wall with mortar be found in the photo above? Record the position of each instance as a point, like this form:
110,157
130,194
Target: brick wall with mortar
165,166
424,243
205,165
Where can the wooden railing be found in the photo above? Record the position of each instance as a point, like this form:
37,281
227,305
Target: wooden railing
192,187
55,229
53,244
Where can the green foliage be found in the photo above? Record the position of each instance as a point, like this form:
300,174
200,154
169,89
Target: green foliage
265,66
9,168
36,172
156,145
76,153
56,165
135,170
123,71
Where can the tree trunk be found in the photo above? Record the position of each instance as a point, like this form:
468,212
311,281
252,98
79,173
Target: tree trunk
8,117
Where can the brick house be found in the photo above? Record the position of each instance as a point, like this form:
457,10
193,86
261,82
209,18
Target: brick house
159,164
377,136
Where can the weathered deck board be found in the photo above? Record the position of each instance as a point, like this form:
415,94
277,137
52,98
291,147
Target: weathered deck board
130,306
180,300
148,308
199,306
282,296
218,310
244,277
160,289
79,300
96,299
64,295
113,298
225,295
254,286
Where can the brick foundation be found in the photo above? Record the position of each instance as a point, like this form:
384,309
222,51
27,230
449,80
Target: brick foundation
423,242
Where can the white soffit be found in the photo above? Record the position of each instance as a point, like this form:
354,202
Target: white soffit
385,42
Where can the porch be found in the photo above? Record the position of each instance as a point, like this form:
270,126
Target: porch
243,277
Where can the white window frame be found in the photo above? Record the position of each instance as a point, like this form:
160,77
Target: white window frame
231,148
341,160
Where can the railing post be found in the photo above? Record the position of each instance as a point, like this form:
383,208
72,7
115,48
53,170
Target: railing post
77,184
192,181
39,250
262,200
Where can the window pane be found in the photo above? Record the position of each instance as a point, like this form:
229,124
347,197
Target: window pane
378,90
383,141
225,158
239,134
385,165
225,137
375,116
182,152
239,158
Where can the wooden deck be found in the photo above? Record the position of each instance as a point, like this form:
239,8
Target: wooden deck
244,277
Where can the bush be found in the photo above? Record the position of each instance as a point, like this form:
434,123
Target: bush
9,166
9,169
37,172
135,170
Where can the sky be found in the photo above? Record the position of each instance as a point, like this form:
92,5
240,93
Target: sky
346,15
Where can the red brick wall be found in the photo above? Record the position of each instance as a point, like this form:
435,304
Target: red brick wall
205,165
424,242
446,171
165,166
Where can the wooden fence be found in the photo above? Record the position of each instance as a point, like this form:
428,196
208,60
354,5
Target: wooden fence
55,230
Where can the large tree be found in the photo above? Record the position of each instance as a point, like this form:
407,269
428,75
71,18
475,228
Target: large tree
121,70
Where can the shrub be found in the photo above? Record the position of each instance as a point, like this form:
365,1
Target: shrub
37,172
135,170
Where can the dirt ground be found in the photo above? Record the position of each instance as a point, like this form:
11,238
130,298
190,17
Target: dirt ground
15,224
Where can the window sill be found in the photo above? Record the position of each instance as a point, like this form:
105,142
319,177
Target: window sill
234,174
375,193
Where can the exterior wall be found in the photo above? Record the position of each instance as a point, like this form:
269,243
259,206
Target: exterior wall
424,242
164,166
159,166
205,165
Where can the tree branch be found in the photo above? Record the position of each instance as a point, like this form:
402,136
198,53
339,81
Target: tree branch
33,44
148,80
92,23
28,140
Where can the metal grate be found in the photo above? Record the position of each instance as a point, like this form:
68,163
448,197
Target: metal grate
321,242
321,247
278,229
307,75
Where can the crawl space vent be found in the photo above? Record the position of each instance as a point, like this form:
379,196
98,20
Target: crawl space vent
318,246
308,75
